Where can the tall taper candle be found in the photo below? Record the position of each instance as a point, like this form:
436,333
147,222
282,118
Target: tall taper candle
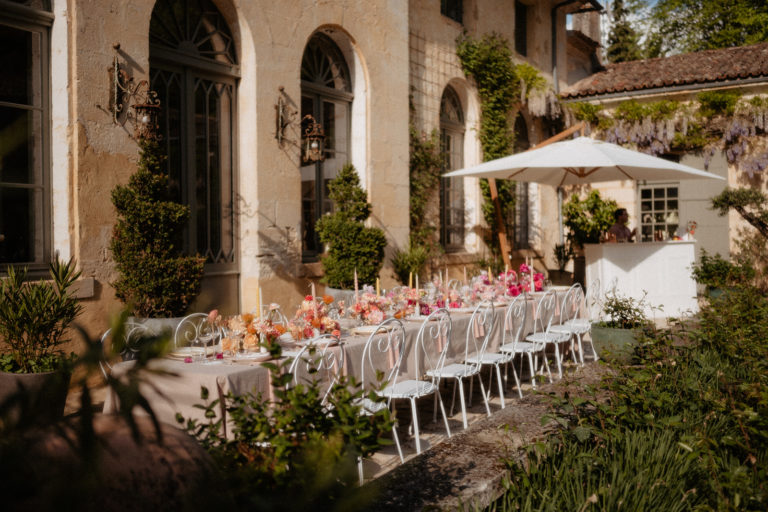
410,279
465,275
418,297
377,287
356,296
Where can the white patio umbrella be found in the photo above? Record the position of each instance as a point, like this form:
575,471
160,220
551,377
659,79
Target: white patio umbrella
581,160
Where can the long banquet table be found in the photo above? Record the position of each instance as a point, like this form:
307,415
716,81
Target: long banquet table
179,392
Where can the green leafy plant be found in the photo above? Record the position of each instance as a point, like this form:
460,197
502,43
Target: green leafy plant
409,262
34,317
155,279
717,272
587,219
294,451
684,428
351,244
425,166
624,312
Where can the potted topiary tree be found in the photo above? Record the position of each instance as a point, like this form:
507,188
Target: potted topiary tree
351,244
34,317
155,278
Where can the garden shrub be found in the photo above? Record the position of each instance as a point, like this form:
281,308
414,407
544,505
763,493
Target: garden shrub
351,244
155,278
686,428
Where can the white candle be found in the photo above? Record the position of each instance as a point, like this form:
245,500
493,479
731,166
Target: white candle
355,285
418,297
258,302
465,274
377,287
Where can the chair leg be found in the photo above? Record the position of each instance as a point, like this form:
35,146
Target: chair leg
434,406
453,400
415,423
485,397
471,389
360,469
463,405
397,443
581,348
517,380
546,365
501,387
445,417
532,363
557,360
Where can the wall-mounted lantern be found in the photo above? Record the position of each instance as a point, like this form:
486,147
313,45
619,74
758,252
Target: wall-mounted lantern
314,137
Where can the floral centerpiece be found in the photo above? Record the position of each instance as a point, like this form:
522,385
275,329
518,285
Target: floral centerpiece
370,308
247,332
313,318
525,280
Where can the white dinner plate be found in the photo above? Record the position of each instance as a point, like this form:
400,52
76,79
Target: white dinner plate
286,340
184,352
253,356
366,329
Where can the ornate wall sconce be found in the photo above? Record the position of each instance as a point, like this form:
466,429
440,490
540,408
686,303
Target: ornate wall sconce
124,94
314,137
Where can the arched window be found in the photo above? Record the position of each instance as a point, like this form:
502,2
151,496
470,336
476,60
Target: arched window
452,189
326,95
193,68
25,195
521,224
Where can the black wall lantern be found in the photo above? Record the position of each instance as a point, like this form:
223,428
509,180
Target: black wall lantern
314,137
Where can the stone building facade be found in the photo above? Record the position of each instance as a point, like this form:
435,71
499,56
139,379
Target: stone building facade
235,79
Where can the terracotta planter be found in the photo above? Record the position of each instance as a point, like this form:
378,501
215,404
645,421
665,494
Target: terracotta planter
614,344
44,394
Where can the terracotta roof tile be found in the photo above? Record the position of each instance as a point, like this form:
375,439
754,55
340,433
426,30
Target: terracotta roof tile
691,68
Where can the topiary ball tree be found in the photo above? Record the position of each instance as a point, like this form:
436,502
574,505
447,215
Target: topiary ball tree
156,279
351,244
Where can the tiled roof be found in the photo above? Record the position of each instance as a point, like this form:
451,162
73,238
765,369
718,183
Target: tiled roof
692,68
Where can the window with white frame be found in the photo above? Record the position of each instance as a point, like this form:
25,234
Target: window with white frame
659,212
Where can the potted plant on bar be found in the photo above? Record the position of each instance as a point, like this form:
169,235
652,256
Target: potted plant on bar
586,220
615,338
34,317
155,278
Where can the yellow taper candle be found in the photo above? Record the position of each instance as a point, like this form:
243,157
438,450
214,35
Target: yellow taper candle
410,279
378,291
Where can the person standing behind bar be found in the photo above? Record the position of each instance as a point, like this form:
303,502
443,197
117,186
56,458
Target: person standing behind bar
619,231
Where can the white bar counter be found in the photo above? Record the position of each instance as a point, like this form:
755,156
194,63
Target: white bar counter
663,269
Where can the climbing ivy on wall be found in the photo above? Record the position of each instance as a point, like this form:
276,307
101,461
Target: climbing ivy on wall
426,165
714,120
503,88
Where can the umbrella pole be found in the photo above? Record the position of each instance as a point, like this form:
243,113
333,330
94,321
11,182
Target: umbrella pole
501,227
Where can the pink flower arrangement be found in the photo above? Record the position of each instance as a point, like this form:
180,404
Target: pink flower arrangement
370,308
312,318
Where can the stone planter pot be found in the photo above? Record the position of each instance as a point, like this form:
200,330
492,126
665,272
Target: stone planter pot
46,393
560,278
614,344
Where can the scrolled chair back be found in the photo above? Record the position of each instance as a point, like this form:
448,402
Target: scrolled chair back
546,308
479,331
320,362
383,354
134,336
571,303
515,317
196,328
432,343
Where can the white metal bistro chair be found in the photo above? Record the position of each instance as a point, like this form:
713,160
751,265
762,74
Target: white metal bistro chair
496,360
196,329
542,334
320,362
569,309
382,354
134,334
513,342
429,353
476,341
